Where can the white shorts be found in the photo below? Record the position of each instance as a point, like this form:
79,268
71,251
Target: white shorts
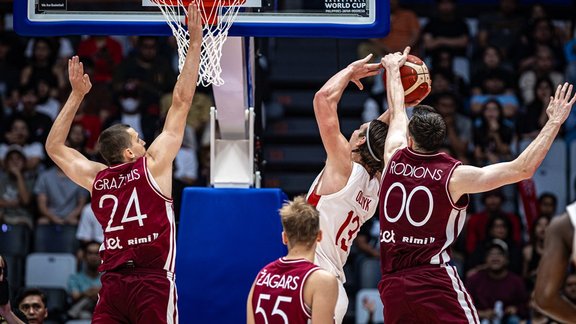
341,304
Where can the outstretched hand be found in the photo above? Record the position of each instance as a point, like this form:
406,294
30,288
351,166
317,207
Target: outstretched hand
396,59
194,22
79,80
361,69
560,105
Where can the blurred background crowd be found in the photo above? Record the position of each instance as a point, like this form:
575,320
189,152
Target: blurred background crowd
493,68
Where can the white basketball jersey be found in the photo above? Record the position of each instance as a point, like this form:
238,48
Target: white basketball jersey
571,209
341,216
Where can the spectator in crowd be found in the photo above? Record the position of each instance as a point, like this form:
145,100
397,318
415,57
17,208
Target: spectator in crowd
77,139
532,252
498,293
443,60
7,314
493,87
45,103
38,123
447,30
547,204
83,287
404,31
458,126
544,66
33,303
152,72
492,135
16,190
42,65
105,52
477,223
9,67
533,116
136,112
492,63
541,33
570,287
89,229
60,200
502,28
498,227
18,135
368,244
570,52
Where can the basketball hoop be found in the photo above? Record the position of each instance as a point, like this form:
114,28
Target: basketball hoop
217,18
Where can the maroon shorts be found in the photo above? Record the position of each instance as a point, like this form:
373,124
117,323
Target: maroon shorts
137,296
427,294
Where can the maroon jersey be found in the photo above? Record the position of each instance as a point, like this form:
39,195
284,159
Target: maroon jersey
418,219
138,221
278,295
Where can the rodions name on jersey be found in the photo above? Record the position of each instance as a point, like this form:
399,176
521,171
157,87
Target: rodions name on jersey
418,172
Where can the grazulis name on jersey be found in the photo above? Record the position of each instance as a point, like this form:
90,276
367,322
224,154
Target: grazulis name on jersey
418,172
116,182
277,281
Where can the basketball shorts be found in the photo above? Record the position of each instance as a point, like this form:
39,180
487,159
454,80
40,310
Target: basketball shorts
426,294
142,296
341,304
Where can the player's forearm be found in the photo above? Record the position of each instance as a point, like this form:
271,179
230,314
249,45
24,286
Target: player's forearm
332,90
395,94
531,158
186,84
61,127
557,307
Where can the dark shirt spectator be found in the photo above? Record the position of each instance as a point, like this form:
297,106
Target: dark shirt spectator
446,30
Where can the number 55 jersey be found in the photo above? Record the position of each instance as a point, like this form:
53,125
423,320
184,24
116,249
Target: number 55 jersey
138,221
341,216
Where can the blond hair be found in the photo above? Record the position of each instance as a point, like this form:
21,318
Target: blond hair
301,221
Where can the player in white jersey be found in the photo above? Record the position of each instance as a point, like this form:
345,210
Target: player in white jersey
346,190
559,251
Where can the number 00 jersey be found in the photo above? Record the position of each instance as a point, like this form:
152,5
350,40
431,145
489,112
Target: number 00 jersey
138,221
278,295
341,216
418,219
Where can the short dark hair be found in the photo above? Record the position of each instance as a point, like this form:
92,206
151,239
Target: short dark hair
377,138
427,128
31,292
112,141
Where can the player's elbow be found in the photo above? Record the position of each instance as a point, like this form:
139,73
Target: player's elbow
543,301
182,97
321,99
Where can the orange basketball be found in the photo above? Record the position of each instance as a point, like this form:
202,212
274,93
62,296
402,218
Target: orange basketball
415,79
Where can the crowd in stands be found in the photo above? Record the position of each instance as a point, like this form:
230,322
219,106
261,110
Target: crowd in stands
491,83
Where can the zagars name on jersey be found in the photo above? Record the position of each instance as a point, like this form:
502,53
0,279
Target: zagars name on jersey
277,281
116,182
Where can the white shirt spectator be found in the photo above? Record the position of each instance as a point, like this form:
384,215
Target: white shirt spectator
88,227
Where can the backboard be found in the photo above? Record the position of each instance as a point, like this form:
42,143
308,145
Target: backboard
259,18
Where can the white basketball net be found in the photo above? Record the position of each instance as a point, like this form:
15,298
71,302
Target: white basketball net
214,34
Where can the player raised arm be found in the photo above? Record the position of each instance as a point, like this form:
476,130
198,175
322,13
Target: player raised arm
75,165
469,179
398,128
552,271
165,147
338,163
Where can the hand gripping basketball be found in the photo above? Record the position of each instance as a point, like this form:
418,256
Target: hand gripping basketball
415,79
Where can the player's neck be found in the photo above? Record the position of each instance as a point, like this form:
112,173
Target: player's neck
300,252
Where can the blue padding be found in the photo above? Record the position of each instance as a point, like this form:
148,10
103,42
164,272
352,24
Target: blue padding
225,237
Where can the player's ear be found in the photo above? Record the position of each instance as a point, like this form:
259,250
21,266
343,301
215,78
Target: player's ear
128,154
284,238
319,236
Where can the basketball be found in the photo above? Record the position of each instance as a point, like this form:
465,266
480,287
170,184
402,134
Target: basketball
415,79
